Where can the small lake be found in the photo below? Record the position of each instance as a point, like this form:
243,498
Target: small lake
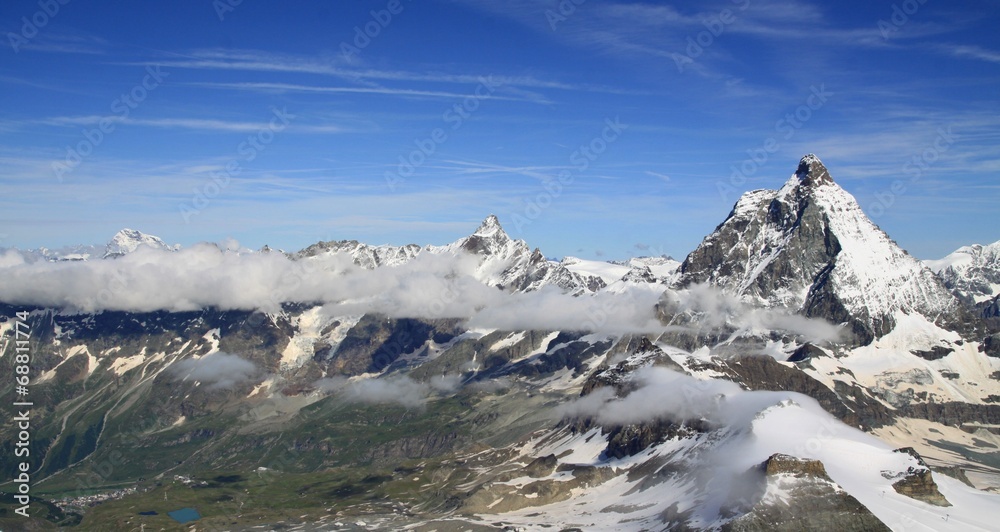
184,515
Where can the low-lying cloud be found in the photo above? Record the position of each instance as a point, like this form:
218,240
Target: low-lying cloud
393,389
711,308
662,394
432,285
218,370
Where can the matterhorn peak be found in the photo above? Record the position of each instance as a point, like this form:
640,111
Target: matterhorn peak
810,247
812,173
489,227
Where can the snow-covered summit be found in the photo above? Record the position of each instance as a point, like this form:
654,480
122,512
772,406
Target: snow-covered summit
128,240
503,261
490,227
971,272
808,246
491,240
512,265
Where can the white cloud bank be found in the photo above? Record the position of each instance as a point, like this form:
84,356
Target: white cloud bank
429,286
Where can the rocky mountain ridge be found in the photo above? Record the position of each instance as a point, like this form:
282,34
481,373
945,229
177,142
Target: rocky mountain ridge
972,273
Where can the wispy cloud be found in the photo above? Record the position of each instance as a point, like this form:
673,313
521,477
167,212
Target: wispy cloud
258,61
66,43
542,173
290,87
202,124
971,52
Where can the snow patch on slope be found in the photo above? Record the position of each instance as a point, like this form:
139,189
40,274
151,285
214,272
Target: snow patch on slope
310,327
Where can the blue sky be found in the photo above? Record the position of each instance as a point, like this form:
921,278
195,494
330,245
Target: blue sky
595,129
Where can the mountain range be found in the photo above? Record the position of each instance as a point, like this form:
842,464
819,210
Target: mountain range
797,370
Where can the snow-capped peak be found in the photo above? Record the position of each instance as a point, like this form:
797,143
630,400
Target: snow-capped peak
128,240
491,239
490,227
812,172
810,246
971,272
965,257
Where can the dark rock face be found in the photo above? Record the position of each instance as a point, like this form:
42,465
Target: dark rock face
953,414
812,173
629,440
784,464
991,346
570,356
375,342
991,309
726,256
805,352
918,483
936,353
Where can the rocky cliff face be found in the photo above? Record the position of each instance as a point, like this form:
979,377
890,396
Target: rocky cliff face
918,482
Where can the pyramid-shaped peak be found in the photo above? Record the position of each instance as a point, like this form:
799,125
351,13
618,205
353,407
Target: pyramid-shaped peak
491,239
809,246
812,172
490,226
